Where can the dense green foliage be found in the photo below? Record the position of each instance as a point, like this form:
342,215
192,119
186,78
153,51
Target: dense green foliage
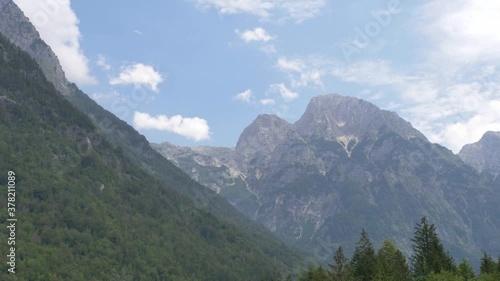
465,271
391,264
488,265
429,263
341,270
86,212
363,260
429,255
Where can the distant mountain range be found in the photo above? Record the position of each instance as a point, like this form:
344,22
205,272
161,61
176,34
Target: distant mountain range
344,166
347,165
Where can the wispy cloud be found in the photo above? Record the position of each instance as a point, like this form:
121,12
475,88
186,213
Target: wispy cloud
297,10
443,107
196,129
268,49
102,62
463,31
285,93
57,24
258,34
452,111
267,102
245,96
138,75
301,73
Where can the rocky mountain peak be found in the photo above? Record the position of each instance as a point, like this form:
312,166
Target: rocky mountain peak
261,137
484,155
334,116
17,28
490,135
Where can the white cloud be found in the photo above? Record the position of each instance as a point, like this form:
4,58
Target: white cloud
301,73
284,64
462,31
268,49
297,10
267,102
472,129
138,75
102,62
258,34
452,111
245,96
302,10
452,91
286,94
196,129
57,24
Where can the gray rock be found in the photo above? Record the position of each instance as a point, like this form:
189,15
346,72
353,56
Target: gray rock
484,155
18,29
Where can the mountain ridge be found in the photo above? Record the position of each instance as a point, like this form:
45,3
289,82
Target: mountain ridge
347,162
484,155
12,19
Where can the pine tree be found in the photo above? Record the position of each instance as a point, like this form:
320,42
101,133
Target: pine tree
314,273
421,248
340,270
465,271
321,274
428,252
487,265
391,264
364,261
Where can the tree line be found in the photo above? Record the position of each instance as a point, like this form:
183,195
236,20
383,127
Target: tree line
429,262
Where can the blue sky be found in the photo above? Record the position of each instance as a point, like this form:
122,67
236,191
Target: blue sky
197,72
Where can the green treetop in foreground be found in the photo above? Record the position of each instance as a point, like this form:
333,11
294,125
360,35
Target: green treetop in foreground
429,262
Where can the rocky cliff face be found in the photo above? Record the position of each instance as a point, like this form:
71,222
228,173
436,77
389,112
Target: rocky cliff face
17,28
484,155
333,116
347,165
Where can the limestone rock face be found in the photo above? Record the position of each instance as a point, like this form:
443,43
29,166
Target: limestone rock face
484,155
334,116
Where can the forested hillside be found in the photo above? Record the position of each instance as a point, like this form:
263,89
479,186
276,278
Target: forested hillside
85,212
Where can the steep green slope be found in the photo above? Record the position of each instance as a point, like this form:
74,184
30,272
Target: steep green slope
85,212
17,28
137,149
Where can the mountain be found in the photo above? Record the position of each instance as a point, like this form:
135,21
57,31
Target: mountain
484,155
122,137
347,165
17,28
92,214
